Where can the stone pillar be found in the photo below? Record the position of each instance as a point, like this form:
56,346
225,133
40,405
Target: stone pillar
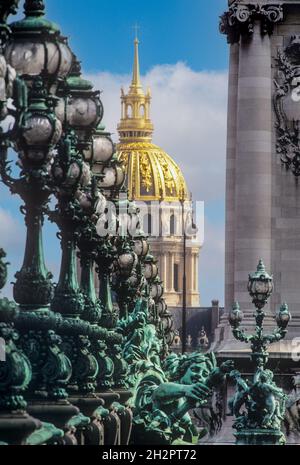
253,161
194,273
230,174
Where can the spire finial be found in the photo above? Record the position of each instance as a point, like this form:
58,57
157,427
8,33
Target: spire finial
136,28
135,115
136,80
34,8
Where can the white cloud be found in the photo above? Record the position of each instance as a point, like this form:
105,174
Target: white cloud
189,115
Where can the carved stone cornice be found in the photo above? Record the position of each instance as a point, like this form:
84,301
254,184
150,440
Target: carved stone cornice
239,20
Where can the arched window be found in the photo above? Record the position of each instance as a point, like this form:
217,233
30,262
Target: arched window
129,111
142,110
148,224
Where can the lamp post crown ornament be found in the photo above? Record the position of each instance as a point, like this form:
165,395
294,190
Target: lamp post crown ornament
34,8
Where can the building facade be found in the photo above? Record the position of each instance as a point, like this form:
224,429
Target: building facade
156,183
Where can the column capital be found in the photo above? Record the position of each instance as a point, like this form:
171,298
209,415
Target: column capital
240,17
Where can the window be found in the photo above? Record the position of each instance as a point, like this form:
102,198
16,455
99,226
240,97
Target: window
148,224
129,111
176,277
172,225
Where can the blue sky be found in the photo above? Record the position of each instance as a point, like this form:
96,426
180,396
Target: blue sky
170,31
184,57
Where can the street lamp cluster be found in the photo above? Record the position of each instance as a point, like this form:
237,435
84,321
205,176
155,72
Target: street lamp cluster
63,341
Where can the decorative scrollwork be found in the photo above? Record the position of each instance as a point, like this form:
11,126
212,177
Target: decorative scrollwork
51,367
15,372
8,7
239,20
288,129
85,366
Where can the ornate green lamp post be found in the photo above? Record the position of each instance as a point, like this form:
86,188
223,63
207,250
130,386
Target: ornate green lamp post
110,178
80,111
41,57
39,133
98,153
258,406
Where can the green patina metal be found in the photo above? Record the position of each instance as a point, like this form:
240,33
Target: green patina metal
15,370
33,188
34,20
164,392
259,406
47,434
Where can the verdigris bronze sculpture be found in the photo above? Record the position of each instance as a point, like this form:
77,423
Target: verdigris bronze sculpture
164,392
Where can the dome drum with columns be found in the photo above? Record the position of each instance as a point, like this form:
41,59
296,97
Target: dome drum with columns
153,176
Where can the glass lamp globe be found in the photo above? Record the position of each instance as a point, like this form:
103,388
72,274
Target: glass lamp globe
156,290
283,317
141,247
38,130
161,307
235,316
120,175
150,268
126,263
82,109
101,149
109,178
41,130
260,286
36,46
166,320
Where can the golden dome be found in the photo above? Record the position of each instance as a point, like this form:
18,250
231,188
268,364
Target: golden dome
151,173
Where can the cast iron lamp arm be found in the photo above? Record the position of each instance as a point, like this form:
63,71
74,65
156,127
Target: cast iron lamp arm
276,336
240,335
5,168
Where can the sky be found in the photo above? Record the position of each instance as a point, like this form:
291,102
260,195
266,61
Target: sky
184,60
